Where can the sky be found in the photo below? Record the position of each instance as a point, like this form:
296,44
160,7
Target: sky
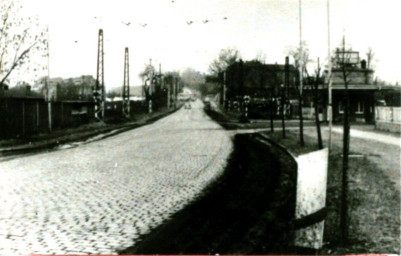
268,27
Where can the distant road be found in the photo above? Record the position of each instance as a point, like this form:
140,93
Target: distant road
99,197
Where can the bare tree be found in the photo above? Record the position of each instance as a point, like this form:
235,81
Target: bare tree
315,82
192,78
148,72
343,61
369,57
20,38
226,58
300,55
261,57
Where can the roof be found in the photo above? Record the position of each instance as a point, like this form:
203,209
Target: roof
20,97
350,87
264,67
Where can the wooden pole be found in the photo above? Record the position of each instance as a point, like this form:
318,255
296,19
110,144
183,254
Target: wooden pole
329,106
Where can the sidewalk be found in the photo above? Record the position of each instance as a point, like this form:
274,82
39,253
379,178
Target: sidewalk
382,149
371,135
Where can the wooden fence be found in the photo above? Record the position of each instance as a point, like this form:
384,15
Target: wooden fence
22,117
388,114
388,119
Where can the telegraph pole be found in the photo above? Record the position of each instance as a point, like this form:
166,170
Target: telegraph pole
283,92
330,82
301,69
98,92
150,88
162,85
126,96
48,98
174,92
168,95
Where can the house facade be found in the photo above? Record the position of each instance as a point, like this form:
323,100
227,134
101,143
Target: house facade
259,80
359,85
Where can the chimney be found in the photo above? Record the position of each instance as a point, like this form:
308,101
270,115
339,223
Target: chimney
363,64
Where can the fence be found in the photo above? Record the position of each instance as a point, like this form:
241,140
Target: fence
388,114
388,119
114,109
22,117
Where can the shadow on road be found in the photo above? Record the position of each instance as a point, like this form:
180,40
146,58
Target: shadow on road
247,210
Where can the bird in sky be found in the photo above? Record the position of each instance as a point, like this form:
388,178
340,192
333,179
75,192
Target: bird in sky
224,18
206,21
143,24
190,22
127,24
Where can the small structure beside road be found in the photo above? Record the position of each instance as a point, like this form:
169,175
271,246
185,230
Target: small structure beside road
361,89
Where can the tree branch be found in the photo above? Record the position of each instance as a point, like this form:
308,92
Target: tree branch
15,64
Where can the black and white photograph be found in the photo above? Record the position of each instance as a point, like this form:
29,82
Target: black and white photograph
200,127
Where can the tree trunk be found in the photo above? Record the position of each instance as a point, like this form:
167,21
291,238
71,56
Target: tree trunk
346,143
318,130
301,123
282,115
271,116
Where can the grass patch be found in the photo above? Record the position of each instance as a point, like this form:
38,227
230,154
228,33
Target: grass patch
374,204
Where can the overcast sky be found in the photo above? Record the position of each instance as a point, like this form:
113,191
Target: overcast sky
251,26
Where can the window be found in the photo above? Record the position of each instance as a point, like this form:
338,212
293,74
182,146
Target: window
340,107
360,108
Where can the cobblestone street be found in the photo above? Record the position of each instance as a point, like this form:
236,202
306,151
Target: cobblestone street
99,197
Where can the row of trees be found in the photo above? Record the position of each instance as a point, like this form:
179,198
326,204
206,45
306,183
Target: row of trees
160,89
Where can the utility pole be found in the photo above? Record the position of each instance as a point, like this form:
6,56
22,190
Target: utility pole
151,88
175,91
300,49
301,67
284,89
48,98
168,96
126,96
330,82
98,91
162,85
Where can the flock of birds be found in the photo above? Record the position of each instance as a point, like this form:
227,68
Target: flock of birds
188,22
145,24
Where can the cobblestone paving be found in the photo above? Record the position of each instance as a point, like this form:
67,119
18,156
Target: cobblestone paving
99,197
